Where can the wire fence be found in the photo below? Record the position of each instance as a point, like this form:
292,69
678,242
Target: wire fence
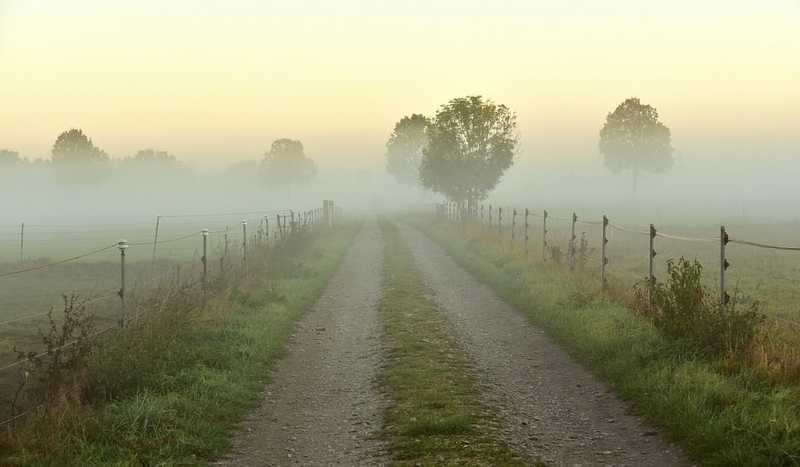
635,254
183,250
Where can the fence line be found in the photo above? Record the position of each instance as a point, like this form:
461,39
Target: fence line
263,233
458,212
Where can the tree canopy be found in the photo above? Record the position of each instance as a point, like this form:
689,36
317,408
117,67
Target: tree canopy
404,148
286,163
78,160
633,138
74,147
471,143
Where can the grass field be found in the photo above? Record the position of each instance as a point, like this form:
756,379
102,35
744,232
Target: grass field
170,388
722,412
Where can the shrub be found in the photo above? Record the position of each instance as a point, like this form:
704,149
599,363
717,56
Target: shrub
682,308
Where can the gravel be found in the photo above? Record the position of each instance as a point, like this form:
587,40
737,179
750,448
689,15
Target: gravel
322,406
552,408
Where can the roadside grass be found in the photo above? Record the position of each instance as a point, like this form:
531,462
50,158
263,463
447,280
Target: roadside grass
722,415
171,390
434,417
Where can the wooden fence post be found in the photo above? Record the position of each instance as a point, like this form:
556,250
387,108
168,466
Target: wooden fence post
513,227
526,233
572,238
604,260
544,236
652,275
122,245
724,298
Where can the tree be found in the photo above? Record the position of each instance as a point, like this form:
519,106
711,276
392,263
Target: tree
286,164
10,158
633,138
77,159
153,161
404,148
471,143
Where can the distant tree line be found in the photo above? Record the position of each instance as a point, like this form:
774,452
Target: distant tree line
464,150
75,159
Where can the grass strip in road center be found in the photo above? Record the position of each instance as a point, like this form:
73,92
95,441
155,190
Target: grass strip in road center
434,416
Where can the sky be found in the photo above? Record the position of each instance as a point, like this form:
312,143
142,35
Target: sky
215,82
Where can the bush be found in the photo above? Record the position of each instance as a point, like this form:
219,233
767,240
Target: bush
682,308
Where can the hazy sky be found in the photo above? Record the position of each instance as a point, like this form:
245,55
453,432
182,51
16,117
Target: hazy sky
215,82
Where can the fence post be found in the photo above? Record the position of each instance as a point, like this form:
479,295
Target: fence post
572,239
482,206
526,233
544,236
652,276
155,237
490,216
500,222
266,230
205,259
122,245
724,298
22,243
604,260
513,227
244,247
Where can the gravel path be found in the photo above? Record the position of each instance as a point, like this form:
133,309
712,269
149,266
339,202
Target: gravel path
322,406
552,407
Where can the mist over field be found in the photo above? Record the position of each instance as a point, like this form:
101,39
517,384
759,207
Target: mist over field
417,232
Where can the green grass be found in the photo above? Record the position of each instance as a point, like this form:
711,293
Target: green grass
154,397
721,415
435,417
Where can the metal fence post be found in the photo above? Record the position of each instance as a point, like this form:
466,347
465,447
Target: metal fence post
526,233
572,239
490,216
122,245
22,243
205,259
500,222
266,229
604,260
652,276
724,298
244,247
513,227
544,236
155,237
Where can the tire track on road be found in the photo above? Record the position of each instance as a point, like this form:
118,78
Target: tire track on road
552,407
322,406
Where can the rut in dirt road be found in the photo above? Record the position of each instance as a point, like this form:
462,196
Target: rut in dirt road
552,407
322,407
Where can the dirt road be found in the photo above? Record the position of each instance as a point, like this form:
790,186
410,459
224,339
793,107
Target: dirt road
322,406
552,407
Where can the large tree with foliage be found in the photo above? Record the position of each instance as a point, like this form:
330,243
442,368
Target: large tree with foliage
286,164
404,148
77,159
471,143
634,139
